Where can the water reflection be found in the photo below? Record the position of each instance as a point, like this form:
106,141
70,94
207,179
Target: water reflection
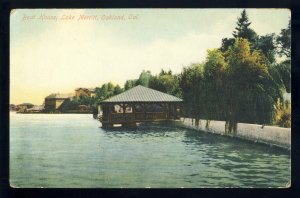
247,162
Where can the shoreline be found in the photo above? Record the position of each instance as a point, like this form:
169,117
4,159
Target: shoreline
269,135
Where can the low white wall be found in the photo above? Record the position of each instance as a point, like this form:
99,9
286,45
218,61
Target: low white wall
270,135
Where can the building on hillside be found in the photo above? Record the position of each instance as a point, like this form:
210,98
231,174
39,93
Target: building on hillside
90,92
55,100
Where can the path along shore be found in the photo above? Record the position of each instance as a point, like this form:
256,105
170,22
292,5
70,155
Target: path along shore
270,135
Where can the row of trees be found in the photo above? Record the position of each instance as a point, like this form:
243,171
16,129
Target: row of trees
165,82
236,85
240,81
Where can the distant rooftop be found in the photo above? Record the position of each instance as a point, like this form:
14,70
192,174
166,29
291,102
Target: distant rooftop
143,94
37,108
60,96
90,89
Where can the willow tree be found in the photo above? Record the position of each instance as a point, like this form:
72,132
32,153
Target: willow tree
250,92
215,82
192,86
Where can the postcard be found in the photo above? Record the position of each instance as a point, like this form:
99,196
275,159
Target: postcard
150,98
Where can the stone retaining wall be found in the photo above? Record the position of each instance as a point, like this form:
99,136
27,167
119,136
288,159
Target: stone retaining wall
271,135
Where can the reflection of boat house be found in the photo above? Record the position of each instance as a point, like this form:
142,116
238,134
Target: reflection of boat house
139,104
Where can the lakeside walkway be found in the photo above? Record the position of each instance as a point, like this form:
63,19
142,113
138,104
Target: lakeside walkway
270,135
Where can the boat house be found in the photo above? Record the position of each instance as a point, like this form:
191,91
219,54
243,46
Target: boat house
139,104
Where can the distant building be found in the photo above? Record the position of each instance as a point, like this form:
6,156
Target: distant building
55,100
36,108
90,92
13,107
24,106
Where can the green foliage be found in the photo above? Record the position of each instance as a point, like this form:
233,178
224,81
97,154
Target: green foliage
129,84
266,45
70,104
215,82
106,91
284,69
166,82
226,43
144,79
284,41
236,86
117,90
243,30
283,114
251,92
192,84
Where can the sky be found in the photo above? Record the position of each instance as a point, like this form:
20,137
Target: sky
59,50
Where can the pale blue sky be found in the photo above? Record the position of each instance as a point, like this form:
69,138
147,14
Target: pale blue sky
58,56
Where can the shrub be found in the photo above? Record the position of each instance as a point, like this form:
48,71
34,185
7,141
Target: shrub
283,114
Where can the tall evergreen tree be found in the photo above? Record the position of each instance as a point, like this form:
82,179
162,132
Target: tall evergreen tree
243,30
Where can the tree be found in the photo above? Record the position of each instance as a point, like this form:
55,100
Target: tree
70,105
85,100
281,74
226,43
129,84
192,85
251,92
105,91
166,82
117,90
266,45
283,114
284,41
243,30
215,82
144,78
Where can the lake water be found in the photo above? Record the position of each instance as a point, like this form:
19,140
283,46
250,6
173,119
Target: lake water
66,150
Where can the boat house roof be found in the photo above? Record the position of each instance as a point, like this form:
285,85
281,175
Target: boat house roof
142,94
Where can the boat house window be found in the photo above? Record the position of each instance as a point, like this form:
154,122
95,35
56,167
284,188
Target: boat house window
119,109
